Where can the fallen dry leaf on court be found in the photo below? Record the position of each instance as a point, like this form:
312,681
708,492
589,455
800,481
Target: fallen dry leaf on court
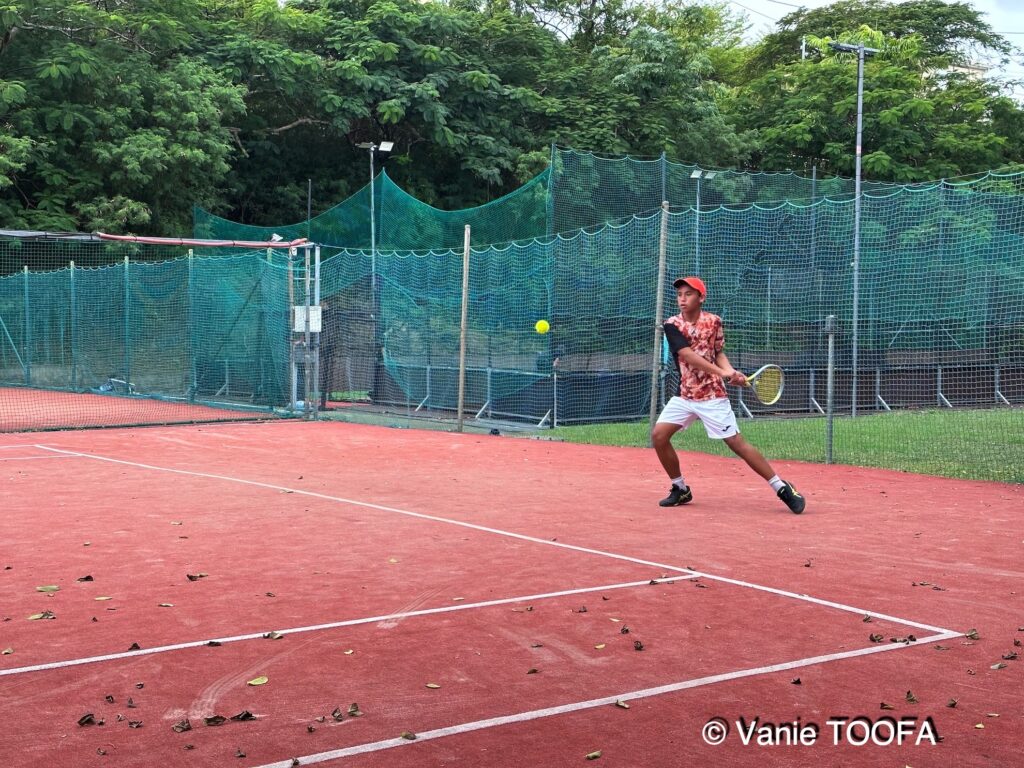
456,599
392,560
1000,665
980,726
196,576
275,635
637,645
610,619
336,713
911,698
952,703
134,647
43,615
1012,656
941,647
796,681
972,634
991,714
84,578
409,735
244,715
875,638
103,598
175,522
87,719
883,705
48,588
433,685
261,680
354,711
239,753
599,646
134,723
621,705
532,671
130,703
866,619
215,720
181,726
349,652
7,651
166,605
594,755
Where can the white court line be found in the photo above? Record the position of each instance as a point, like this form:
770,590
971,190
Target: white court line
331,625
536,714
18,445
509,534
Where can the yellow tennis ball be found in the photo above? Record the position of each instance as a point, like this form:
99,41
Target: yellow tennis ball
542,326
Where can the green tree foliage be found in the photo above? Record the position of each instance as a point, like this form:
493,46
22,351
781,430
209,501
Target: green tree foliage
950,33
108,123
918,123
121,114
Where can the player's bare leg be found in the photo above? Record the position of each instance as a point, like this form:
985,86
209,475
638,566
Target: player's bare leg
757,462
661,439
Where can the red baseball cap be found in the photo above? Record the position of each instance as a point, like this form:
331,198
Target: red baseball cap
694,282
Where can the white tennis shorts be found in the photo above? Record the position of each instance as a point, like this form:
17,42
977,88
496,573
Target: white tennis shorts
716,415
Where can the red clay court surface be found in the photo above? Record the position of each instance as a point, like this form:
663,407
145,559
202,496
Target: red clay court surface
475,592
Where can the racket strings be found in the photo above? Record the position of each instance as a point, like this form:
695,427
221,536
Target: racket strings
768,386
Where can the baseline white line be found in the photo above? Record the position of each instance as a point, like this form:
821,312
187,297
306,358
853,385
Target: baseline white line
330,625
18,445
510,534
536,714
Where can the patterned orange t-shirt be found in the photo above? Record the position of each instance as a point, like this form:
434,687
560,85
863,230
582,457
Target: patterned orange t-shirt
707,339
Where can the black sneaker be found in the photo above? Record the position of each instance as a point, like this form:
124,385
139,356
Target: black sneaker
676,497
792,499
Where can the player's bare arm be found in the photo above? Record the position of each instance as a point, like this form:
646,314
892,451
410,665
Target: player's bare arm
692,359
733,376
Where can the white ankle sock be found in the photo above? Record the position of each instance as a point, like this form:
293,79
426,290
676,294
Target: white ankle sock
776,483
679,482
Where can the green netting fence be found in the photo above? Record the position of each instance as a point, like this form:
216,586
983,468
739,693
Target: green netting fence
940,326
929,347
579,190
154,336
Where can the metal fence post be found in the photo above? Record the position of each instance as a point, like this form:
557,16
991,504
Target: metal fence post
463,328
830,329
659,307
27,335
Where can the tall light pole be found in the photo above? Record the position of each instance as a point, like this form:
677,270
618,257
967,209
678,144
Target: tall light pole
698,174
384,147
862,53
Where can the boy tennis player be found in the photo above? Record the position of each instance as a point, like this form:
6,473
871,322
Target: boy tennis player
696,342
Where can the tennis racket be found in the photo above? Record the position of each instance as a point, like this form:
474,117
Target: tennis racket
767,383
